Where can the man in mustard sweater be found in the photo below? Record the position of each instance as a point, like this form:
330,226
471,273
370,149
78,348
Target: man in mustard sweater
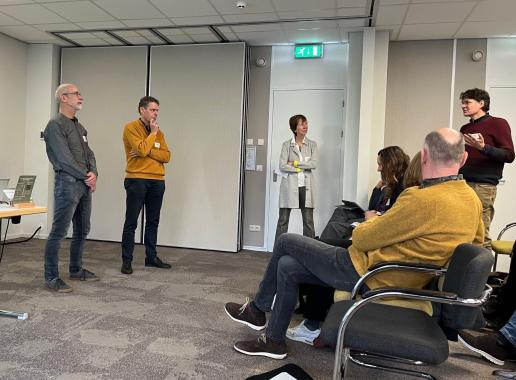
146,154
424,226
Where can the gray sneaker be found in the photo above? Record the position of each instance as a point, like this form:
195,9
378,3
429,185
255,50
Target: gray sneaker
57,285
83,275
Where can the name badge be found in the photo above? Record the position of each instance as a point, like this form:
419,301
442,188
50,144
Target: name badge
157,145
85,139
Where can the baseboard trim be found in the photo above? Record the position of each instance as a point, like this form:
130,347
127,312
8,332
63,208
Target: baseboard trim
253,248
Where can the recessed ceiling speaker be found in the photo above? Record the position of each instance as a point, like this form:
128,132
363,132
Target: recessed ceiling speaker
477,55
260,62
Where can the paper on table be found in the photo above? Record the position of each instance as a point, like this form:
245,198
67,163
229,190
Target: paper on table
283,376
281,173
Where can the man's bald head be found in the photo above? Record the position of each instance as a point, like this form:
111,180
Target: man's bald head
445,147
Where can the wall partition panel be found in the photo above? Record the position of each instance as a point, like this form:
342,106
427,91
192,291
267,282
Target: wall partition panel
111,80
201,91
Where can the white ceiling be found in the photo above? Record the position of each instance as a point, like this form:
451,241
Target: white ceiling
262,22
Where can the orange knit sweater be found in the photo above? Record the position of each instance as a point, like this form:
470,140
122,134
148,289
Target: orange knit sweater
152,149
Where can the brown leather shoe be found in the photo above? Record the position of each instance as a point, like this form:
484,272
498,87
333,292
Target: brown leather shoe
263,346
246,315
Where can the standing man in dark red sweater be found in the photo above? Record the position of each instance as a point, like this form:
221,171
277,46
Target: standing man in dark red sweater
489,146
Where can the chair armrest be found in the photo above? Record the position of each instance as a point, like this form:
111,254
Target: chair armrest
417,294
510,225
403,264
396,265
410,291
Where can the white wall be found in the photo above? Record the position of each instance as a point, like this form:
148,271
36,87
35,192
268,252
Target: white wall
42,79
372,110
12,107
288,73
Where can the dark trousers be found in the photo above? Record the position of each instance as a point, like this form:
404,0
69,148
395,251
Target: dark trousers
306,213
72,204
300,260
318,300
140,192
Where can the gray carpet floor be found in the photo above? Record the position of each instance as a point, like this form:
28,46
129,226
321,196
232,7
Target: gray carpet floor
153,324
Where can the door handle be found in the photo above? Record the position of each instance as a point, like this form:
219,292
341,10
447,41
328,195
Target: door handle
274,177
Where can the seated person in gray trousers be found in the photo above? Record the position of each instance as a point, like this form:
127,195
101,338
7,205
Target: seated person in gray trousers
424,226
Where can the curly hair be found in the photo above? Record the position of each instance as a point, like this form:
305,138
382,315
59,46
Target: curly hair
394,162
478,95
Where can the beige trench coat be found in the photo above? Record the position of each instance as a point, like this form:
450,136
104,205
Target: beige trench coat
289,194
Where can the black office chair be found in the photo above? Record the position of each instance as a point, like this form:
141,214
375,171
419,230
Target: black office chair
361,330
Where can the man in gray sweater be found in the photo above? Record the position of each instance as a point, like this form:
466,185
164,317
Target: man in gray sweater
75,179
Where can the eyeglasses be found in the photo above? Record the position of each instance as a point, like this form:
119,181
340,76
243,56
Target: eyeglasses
76,93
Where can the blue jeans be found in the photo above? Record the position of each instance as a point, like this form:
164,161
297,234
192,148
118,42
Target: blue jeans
300,260
72,203
509,330
148,192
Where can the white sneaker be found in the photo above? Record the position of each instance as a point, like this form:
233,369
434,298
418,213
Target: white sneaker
301,333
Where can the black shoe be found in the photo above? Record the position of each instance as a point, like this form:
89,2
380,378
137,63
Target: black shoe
486,345
157,263
263,346
58,285
126,268
246,315
83,275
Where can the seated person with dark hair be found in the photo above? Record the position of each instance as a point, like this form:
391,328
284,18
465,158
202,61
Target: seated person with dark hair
318,299
424,226
392,164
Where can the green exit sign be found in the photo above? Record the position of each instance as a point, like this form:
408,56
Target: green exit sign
308,51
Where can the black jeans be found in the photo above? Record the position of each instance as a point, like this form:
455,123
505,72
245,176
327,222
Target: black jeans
306,213
300,260
148,192
318,300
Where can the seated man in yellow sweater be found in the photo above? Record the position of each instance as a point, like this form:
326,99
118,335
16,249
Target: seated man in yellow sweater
424,226
146,153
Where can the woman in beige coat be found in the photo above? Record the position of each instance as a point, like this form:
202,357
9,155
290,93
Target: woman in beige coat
298,159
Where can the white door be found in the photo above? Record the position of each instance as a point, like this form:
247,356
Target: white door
502,105
324,111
